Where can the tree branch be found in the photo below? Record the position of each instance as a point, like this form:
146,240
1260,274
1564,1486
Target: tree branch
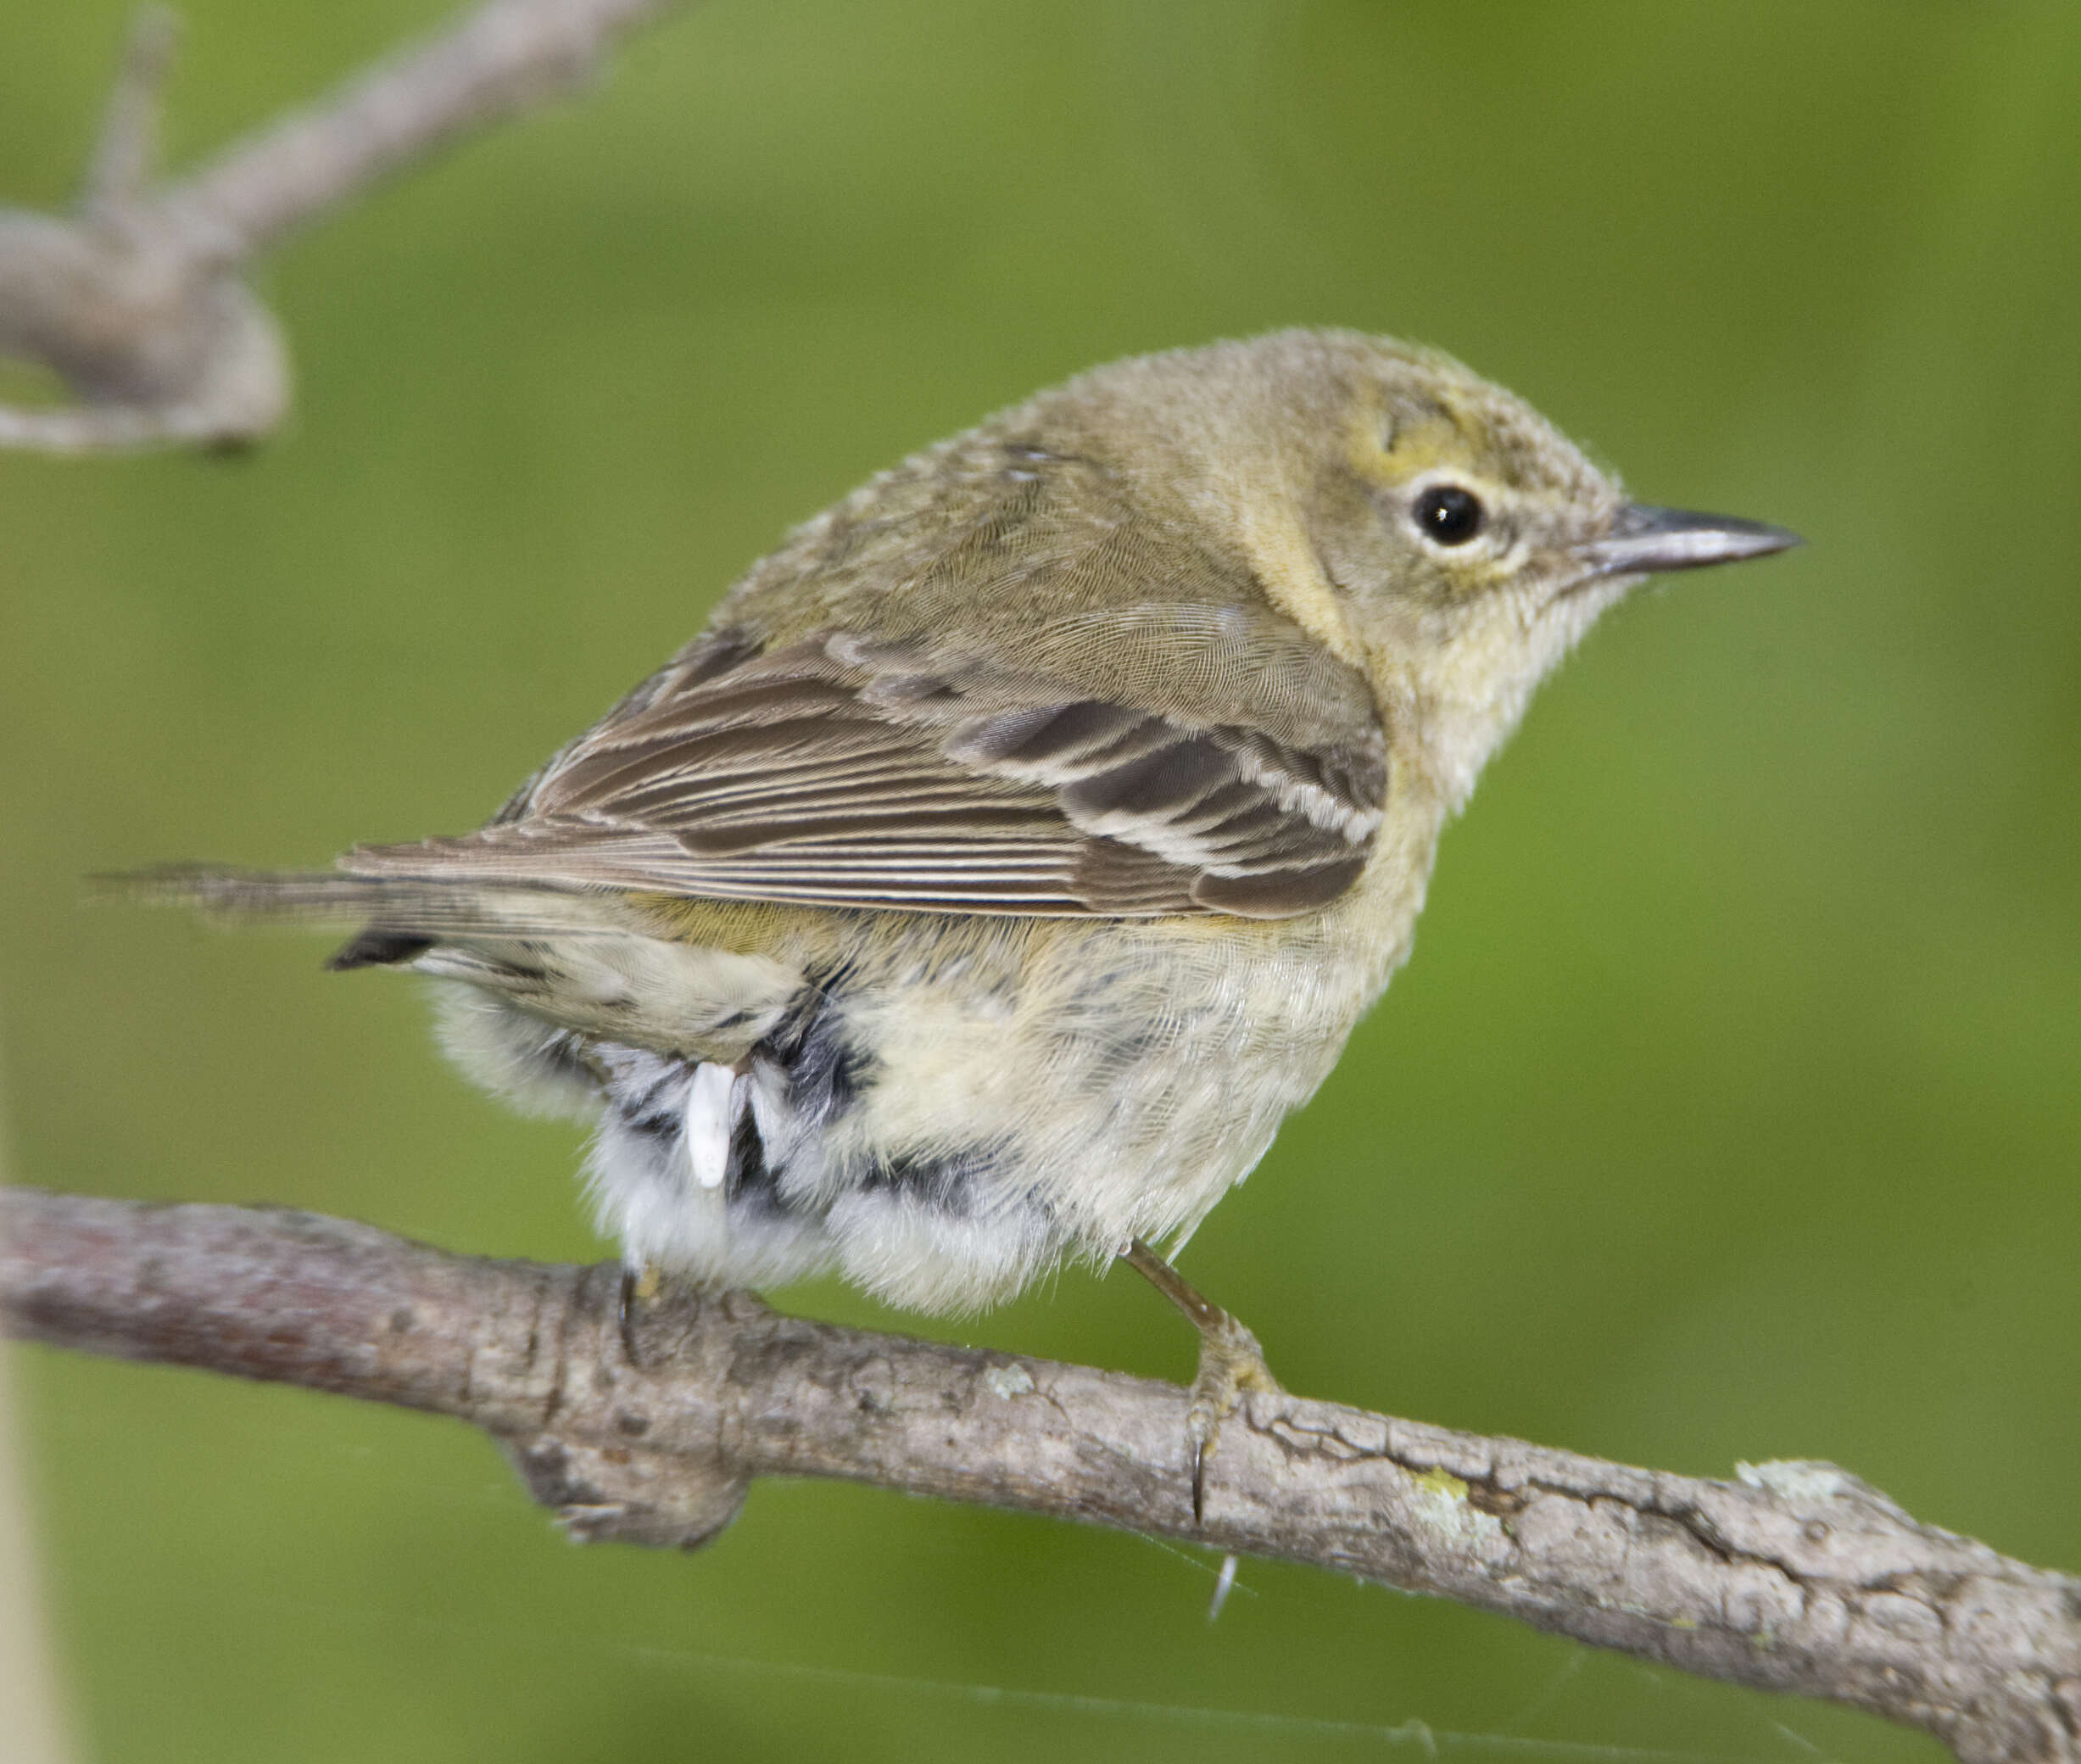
1794,1578
139,302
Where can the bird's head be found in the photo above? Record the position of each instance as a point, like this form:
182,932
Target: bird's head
1467,543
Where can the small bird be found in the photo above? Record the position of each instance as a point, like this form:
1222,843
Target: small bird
1023,839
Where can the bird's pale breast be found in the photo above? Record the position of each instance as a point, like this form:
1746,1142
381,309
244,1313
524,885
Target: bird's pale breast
943,1108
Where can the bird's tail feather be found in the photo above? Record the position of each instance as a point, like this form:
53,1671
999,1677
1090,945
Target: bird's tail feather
399,910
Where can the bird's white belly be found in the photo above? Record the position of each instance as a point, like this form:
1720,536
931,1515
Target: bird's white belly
944,1114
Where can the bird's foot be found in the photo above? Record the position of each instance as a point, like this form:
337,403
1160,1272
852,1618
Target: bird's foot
639,1286
1231,1364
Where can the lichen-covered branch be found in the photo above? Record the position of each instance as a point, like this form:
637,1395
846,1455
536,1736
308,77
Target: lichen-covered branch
139,302
648,1427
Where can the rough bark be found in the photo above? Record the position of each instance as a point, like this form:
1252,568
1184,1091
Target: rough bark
647,1428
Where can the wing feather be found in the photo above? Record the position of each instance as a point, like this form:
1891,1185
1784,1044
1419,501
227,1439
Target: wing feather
834,772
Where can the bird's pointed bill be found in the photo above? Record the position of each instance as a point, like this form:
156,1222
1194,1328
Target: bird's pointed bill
1644,539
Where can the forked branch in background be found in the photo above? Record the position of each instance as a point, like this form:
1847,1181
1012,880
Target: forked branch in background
140,301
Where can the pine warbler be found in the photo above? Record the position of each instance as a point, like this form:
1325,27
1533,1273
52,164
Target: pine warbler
1023,839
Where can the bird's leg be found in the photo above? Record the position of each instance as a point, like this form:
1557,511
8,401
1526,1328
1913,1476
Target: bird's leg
639,1286
1230,1362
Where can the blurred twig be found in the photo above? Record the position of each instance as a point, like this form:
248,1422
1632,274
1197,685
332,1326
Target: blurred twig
139,302
650,1429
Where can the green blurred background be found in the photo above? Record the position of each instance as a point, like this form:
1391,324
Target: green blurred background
1727,1110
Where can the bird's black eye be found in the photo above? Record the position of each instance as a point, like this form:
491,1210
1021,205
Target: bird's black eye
1448,515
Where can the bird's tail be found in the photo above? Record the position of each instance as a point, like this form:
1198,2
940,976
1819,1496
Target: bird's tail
393,919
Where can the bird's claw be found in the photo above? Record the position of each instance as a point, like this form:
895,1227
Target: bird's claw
1231,1365
639,1286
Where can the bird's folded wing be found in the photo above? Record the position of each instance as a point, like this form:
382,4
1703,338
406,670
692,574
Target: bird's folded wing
844,773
